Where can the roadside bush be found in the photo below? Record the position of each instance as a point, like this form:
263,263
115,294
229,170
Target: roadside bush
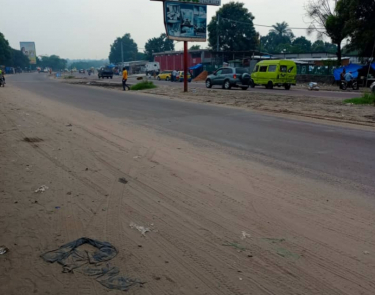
69,77
367,98
143,85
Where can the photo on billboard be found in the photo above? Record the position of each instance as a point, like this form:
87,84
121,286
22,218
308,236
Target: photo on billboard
28,49
186,22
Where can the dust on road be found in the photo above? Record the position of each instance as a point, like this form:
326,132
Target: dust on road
217,224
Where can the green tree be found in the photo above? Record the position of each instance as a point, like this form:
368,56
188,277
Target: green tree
54,62
158,44
360,23
18,59
195,47
282,30
5,50
279,39
328,20
235,29
301,45
130,49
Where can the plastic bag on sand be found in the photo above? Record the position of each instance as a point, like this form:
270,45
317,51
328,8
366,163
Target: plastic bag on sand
88,262
313,86
143,230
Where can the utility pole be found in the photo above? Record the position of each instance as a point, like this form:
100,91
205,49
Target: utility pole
185,66
122,55
217,33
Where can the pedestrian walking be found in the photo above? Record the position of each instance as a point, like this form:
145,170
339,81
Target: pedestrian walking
124,79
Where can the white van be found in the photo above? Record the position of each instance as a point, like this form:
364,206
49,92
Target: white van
152,67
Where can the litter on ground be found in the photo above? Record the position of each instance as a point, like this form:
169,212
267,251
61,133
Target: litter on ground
42,189
245,235
91,263
3,250
143,230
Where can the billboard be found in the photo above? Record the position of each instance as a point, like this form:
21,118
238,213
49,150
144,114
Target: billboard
185,21
204,2
28,49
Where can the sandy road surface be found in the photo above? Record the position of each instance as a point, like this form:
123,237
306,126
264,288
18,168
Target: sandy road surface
302,235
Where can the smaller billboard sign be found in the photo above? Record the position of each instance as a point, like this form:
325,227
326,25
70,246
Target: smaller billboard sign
204,2
28,49
185,21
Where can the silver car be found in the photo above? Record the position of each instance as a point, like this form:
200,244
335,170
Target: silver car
229,77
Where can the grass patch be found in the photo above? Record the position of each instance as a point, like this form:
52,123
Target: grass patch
143,85
367,98
69,77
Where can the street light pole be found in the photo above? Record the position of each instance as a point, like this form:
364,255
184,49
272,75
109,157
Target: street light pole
217,33
122,56
185,66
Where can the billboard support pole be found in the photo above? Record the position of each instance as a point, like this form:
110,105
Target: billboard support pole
185,66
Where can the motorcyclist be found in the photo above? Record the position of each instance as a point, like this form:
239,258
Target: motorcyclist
2,75
348,78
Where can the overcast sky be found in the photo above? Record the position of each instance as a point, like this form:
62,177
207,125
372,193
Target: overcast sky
85,28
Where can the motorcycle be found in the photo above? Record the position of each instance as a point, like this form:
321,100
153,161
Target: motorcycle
2,82
345,84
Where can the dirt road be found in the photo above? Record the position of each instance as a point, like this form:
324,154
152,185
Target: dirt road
219,224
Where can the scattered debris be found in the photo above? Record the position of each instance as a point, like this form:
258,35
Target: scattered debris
240,279
69,193
42,189
57,207
313,86
87,169
245,235
123,180
3,250
69,125
250,256
235,245
136,157
274,240
32,139
366,252
286,253
143,230
89,262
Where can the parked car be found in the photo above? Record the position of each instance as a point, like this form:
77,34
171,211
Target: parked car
165,75
270,73
81,71
105,72
180,77
229,77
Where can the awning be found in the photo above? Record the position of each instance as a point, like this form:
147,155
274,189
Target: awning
353,68
195,67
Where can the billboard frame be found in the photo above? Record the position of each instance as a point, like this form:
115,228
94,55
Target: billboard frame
29,46
183,38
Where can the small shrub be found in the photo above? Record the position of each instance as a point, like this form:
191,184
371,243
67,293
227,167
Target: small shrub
69,77
367,98
143,85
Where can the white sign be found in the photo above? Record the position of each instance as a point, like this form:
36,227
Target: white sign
202,2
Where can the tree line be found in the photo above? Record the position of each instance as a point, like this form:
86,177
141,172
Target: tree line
233,27
11,57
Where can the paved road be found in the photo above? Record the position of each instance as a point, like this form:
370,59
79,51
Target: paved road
338,155
279,91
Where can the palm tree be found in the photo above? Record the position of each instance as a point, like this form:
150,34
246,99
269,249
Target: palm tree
282,30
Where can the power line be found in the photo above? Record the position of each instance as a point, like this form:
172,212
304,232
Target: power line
247,23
